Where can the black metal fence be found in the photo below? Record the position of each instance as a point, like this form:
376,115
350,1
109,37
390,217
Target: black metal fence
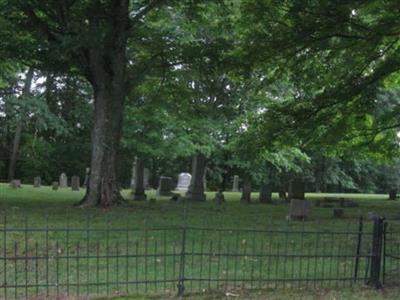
94,261
391,255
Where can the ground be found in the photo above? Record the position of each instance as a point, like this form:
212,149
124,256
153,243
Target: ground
41,208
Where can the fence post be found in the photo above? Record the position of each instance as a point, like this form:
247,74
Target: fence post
359,238
376,257
181,282
385,225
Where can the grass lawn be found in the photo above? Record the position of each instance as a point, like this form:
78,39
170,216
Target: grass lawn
76,251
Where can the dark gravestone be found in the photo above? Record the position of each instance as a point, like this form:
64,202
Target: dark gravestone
299,209
392,194
219,199
54,185
75,184
165,186
196,188
265,194
37,182
296,189
15,183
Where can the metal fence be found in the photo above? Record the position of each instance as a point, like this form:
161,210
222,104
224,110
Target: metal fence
391,255
95,261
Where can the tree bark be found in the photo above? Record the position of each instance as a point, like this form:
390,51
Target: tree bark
246,190
106,71
196,188
265,194
139,180
18,130
393,194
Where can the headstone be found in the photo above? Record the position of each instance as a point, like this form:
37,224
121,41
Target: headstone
296,189
63,180
54,185
183,182
87,174
299,209
338,212
15,183
235,187
392,194
164,186
265,194
75,183
219,198
37,181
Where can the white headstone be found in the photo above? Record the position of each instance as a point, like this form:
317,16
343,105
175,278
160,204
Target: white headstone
235,187
63,180
183,182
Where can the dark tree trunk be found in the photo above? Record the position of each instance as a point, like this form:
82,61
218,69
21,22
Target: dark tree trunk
139,180
18,130
393,194
196,188
106,72
296,189
265,194
246,190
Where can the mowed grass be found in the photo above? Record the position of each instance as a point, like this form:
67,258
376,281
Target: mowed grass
41,203
136,249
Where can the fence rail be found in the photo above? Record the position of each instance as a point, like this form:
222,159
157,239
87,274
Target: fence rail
44,261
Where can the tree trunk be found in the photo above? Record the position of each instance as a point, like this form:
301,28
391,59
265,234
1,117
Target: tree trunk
18,130
139,180
103,189
296,189
196,188
265,194
393,194
246,190
106,71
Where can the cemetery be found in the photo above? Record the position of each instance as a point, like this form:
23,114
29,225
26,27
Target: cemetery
235,149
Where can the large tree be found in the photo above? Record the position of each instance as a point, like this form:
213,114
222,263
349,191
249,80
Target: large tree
89,38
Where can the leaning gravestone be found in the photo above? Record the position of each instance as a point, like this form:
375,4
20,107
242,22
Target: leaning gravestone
37,181
54,185
235,187
183,182
164,186
299,209
75,183
63,180
15,183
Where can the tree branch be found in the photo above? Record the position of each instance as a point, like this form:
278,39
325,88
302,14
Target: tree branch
135,16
